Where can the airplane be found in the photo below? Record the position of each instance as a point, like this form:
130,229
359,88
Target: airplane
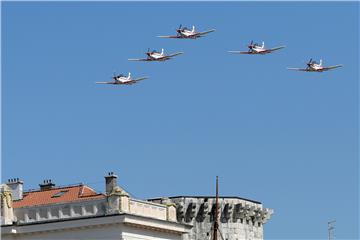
185,33
255,48
122,79
156,56
313,66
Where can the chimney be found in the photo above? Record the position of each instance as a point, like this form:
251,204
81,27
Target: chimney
110,182
46,185
16,186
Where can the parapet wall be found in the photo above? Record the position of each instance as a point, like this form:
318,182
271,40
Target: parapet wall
238,218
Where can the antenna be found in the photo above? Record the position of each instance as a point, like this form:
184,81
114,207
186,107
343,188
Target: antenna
331,228
216,223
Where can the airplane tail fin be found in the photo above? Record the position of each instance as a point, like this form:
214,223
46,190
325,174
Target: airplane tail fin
263,44
162,51
193,29
320,62
129,76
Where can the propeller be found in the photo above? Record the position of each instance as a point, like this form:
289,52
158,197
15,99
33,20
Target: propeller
114,76
179,29
250,46
309,63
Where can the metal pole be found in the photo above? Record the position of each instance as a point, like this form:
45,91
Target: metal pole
216,224
331,228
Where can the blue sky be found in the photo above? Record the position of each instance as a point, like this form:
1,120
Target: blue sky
288,139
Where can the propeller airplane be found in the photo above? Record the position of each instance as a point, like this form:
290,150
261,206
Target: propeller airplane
255,48
313,66
122,79
185,33
156,56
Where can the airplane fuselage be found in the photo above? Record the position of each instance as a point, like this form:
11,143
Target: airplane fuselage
258,49
155,56
314,67
187,33
123,80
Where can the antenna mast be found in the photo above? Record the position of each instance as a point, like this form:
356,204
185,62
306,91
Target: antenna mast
216,223
331,227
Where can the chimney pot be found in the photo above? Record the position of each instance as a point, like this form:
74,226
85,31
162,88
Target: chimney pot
16,186
46,185
110,182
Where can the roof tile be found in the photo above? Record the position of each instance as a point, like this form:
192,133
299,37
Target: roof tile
71,194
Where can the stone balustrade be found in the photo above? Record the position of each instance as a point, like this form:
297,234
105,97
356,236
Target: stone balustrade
94,208
60,211
144,208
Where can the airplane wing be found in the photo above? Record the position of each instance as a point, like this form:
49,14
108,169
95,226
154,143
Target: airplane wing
139,59
240,52
332,67
168,36
140,79
274,49
206,32
174,54
105,83
299,69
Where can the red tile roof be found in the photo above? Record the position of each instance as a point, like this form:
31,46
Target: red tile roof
70,194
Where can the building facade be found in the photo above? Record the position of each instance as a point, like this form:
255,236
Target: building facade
79,212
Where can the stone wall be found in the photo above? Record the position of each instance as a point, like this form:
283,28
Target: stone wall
238,218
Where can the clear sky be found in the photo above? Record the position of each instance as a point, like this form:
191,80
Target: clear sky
288,139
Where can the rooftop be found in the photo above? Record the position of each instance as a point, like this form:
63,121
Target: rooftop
55,195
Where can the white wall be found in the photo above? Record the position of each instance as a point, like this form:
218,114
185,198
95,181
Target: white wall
111,227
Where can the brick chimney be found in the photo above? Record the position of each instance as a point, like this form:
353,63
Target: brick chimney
46,185
16,186
110,182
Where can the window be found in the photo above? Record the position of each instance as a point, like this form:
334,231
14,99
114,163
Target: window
59,194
